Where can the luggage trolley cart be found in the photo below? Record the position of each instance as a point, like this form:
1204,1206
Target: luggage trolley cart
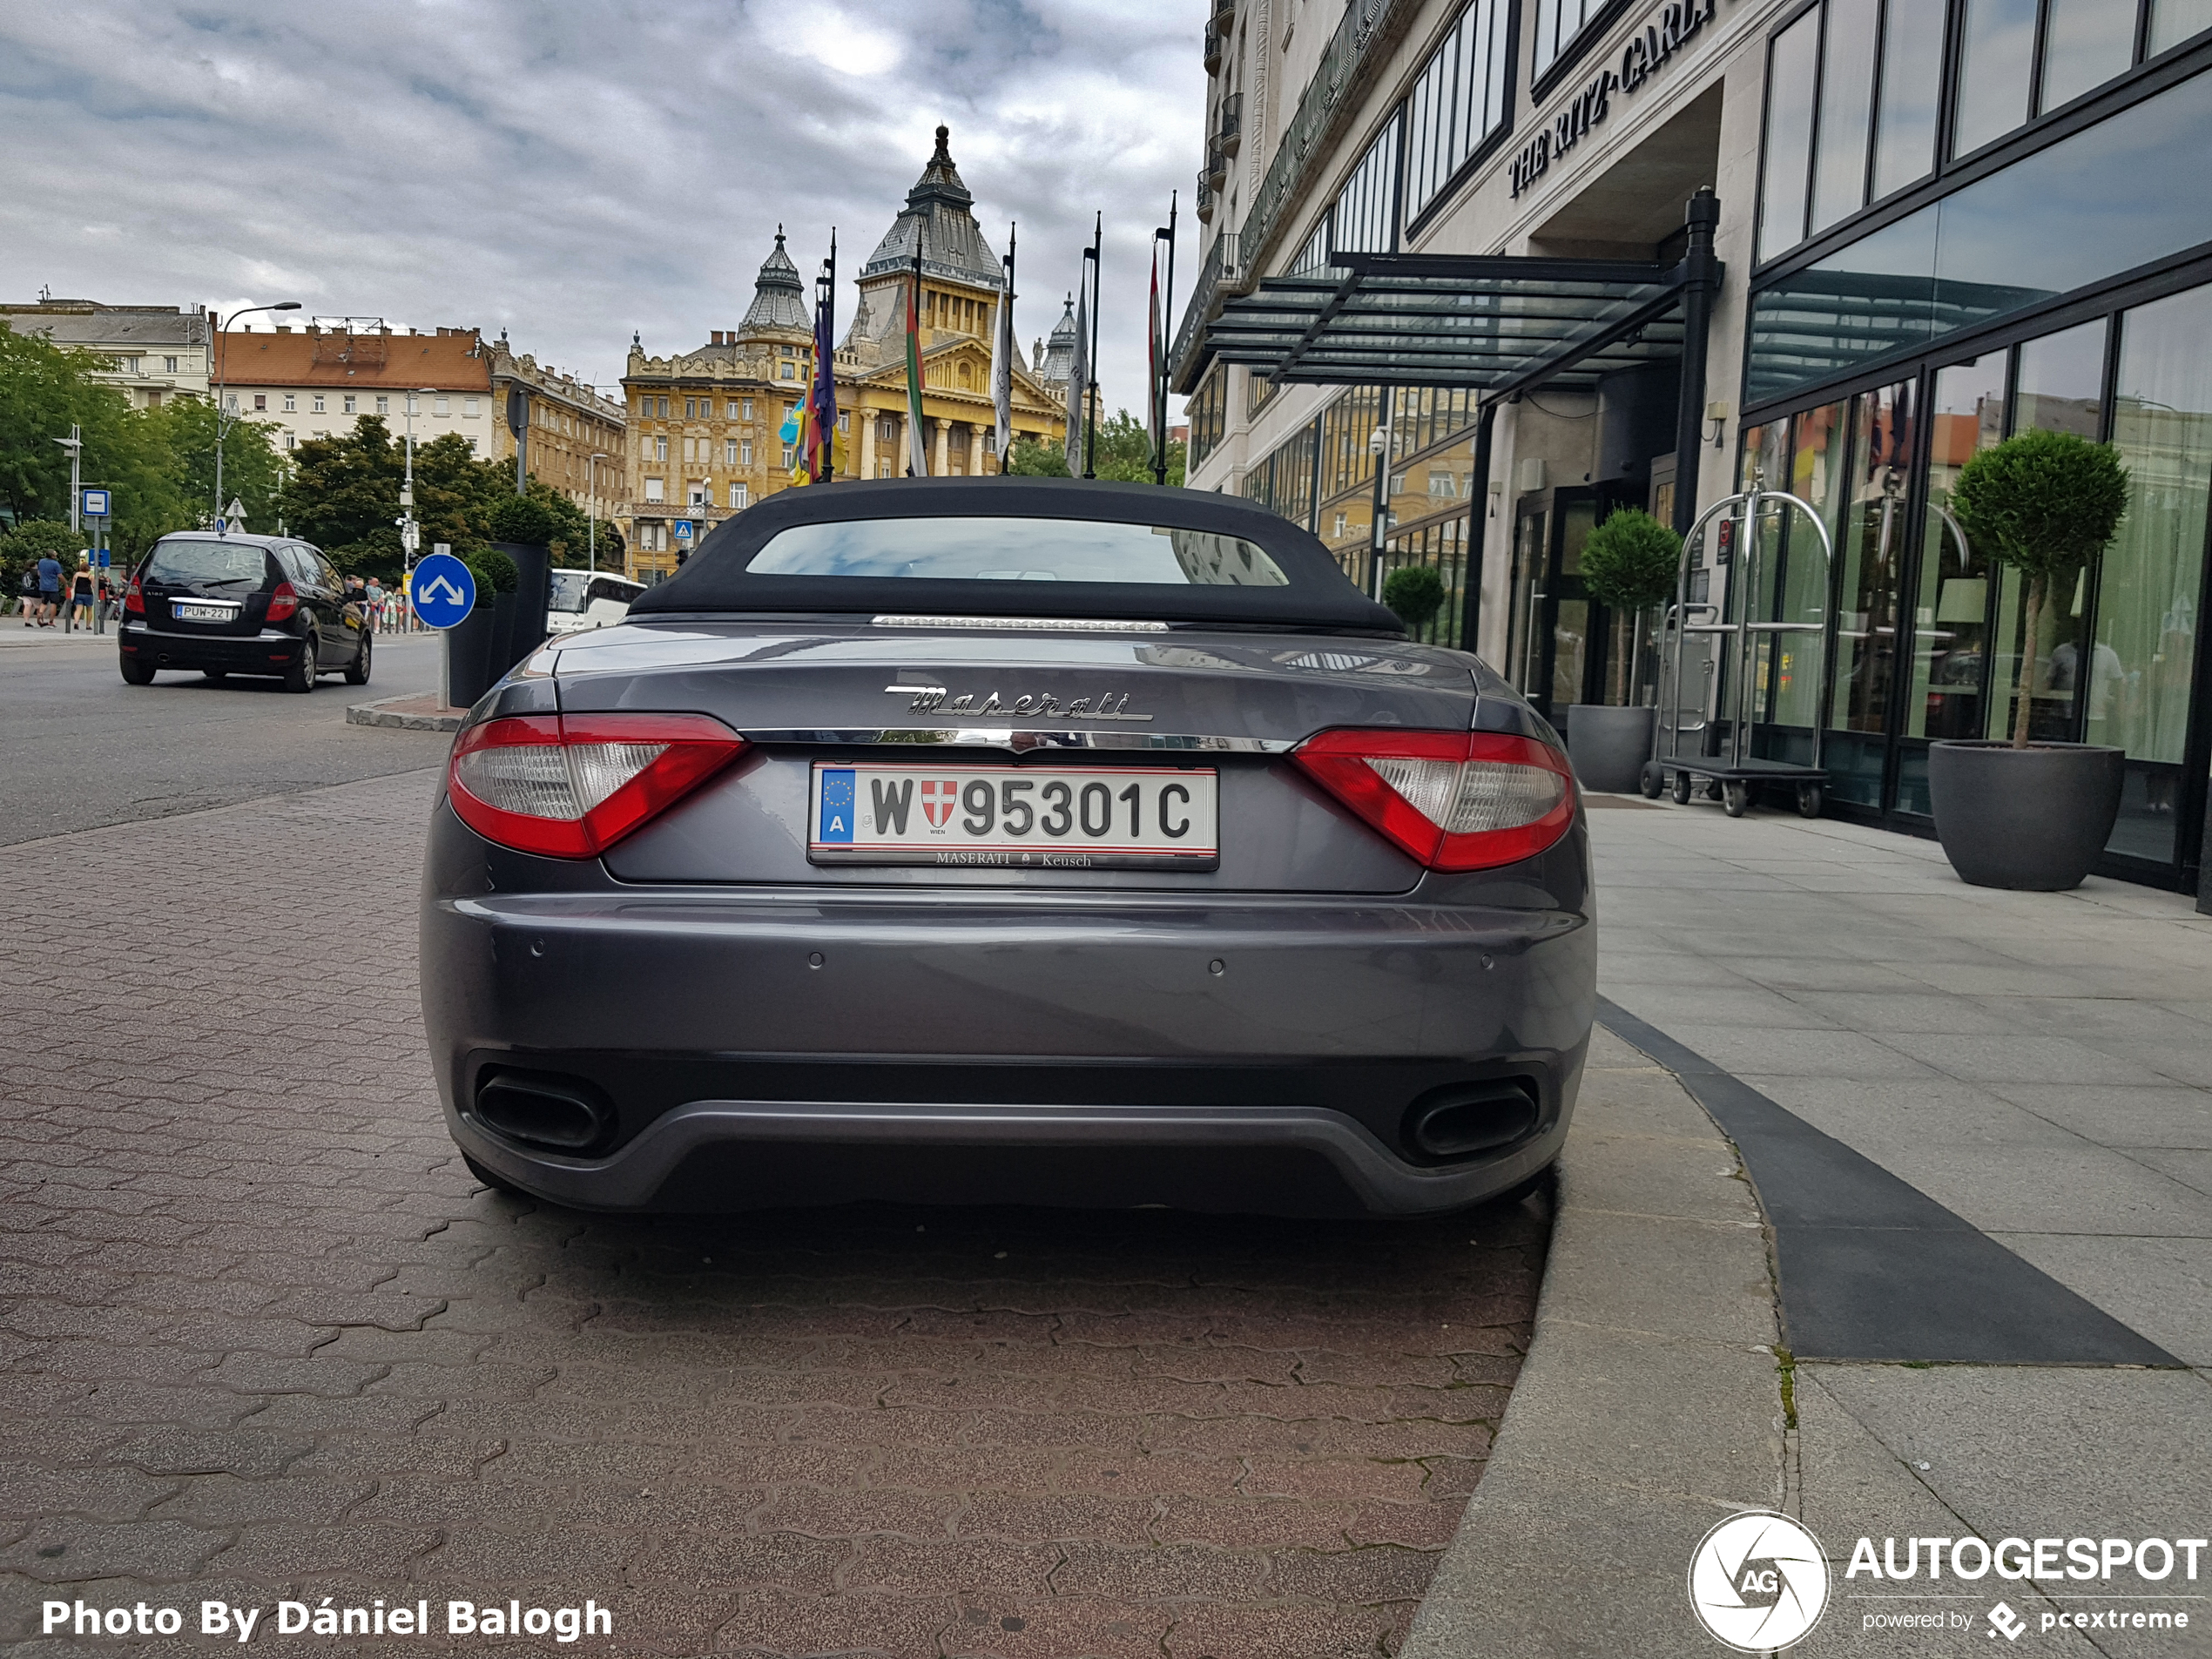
1737,628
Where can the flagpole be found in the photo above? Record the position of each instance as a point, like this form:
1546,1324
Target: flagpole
825,360
1090,406
1167,335
914,445
1005,412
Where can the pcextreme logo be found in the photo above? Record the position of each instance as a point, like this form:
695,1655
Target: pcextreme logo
1758,1581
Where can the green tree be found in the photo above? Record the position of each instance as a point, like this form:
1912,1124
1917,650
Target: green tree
1124,452
1033,458
1629,563
1414,593
30,541
2046,503
252,473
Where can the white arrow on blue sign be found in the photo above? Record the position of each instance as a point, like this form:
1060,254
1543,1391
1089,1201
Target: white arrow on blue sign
443,591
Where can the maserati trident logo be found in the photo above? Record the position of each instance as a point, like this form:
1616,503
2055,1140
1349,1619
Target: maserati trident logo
934,699
1758,1581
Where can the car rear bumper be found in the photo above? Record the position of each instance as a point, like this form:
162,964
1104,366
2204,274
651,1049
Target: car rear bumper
1236,1051
262,653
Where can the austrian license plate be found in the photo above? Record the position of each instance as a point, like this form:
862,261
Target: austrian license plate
1037,818
184,612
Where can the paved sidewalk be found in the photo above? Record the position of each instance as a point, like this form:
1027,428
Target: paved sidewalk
2038,1064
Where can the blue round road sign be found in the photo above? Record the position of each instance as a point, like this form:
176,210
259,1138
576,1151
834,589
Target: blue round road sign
442,590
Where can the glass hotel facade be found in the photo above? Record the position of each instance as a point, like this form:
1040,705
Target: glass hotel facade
1941,222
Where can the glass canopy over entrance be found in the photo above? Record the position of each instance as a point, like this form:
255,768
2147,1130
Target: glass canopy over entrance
1499,324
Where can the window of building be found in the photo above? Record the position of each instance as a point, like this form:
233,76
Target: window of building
350,403
844,422
1208,411
739,498
660,448
1557,24
746,404
384,406
320,405
744,453
442,406
791,456
887,429
467,409
260,400
1459,101
653,489
691,409
788,350
729,452
168,365
292,440
663,408
791,371
291,403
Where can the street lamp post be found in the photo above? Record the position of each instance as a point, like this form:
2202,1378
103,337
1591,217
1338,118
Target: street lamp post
591,515
222,373
74,444
410,536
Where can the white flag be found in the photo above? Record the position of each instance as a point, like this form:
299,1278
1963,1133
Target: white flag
1002,379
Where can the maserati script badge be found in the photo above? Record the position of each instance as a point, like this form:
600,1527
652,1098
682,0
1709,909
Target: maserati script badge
931,699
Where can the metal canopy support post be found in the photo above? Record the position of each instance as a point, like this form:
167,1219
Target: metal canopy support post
1701,281
1477,531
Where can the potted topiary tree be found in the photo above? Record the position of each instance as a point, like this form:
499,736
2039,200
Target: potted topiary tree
1628,565
1414,594
2032,814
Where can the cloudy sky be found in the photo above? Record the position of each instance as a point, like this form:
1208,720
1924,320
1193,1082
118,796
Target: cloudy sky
573,171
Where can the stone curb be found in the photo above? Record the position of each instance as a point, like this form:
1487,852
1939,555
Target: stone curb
1649,1406
382,712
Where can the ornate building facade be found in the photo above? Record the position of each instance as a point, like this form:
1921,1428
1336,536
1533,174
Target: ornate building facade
575,440
705,426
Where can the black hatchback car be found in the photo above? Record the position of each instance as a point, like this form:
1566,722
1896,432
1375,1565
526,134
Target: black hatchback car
241,604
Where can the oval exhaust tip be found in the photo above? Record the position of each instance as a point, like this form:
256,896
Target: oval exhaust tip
561,1113
1464,1120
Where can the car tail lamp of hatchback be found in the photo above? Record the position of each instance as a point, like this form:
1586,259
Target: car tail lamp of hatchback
571,785
1451,800
134,600
284,601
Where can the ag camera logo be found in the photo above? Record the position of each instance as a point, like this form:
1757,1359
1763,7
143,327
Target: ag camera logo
1758,1581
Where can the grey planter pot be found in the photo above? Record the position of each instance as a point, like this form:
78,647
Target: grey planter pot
2033,819
1608,746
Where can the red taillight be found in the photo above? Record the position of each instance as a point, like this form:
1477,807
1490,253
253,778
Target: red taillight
283,602
135,602
1453,800
571,785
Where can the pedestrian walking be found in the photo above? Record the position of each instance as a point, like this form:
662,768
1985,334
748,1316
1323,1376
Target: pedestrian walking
82,597
27,605
375,592
50,590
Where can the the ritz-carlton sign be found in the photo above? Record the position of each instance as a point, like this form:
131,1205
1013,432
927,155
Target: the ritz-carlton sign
1676,25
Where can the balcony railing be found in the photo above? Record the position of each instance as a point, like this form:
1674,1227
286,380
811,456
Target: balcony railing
1229,134
1207,199
1214,38
1217,169
1354,51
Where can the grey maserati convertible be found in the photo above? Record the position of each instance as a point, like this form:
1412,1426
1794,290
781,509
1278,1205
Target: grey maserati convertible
1007,840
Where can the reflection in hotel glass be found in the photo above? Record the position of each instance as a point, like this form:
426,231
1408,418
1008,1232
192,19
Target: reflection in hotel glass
2117,643
1854,88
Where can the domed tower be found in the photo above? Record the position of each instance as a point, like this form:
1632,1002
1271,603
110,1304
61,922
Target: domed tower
1060,350
961,275
779,310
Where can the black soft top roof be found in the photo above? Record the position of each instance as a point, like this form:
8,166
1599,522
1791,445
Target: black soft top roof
716,580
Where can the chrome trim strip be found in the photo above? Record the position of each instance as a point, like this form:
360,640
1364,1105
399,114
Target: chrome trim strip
1021,740
1022,625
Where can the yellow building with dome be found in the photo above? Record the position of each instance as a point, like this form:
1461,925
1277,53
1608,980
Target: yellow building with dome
704,439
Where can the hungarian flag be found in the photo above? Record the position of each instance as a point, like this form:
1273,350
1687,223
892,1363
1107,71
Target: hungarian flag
917,453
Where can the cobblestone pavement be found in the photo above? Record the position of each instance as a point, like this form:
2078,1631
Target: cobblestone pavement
261,1336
